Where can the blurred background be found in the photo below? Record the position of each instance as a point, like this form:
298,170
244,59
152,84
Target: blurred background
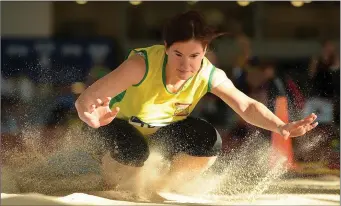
51,51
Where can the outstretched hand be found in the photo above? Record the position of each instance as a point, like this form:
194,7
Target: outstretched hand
298,128
100,114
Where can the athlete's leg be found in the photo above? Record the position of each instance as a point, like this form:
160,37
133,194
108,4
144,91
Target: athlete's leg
192,144
124,154
184,169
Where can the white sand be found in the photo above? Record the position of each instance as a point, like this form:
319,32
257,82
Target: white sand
71,172
85,199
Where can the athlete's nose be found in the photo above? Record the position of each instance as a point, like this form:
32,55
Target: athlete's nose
185,64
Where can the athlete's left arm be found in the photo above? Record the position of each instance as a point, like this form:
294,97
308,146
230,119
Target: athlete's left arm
255,112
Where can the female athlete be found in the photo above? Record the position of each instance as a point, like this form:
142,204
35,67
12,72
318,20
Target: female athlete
147,101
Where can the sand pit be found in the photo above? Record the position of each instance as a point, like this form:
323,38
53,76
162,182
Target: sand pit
172,199
71,176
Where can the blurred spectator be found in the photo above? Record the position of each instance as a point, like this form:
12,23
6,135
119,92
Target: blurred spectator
211,107
243,52
257,81
322,72
324,84
260,81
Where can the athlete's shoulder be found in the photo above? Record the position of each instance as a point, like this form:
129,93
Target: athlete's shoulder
156,51
213,71
219,76
150,52
142,60
135,62
206,68
151,49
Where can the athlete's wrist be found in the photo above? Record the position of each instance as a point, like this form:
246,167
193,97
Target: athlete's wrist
279,128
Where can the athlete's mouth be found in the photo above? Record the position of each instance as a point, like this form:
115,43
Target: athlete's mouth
182,71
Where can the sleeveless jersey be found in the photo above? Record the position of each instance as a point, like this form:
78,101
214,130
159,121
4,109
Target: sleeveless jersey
149,105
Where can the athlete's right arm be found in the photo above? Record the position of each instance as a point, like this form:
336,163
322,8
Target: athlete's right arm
129,73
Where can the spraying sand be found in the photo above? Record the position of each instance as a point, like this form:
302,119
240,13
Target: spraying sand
73,167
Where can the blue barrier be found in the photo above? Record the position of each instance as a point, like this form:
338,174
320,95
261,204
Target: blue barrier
56,61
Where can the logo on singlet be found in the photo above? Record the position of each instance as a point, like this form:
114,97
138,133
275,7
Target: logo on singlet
181,109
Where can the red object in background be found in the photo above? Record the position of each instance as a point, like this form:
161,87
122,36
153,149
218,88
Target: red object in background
281,147
299,98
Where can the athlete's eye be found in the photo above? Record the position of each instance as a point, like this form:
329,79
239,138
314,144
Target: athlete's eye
194,56
179,55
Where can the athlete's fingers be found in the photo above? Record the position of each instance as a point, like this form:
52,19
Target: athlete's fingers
115,111
306,121
90,120
99,102
108,117
92,108
106,101
311,126
314,125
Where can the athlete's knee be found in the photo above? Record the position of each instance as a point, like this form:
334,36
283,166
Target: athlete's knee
206,140
135,155
126,144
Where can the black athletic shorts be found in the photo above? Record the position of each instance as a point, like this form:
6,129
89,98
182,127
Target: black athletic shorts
192,136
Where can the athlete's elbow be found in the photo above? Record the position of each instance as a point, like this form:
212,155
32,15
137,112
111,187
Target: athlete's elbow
247,105
250,110
254,106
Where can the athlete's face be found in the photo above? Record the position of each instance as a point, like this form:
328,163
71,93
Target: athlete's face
185,58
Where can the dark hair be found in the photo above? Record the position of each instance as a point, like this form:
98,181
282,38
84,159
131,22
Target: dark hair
187,26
